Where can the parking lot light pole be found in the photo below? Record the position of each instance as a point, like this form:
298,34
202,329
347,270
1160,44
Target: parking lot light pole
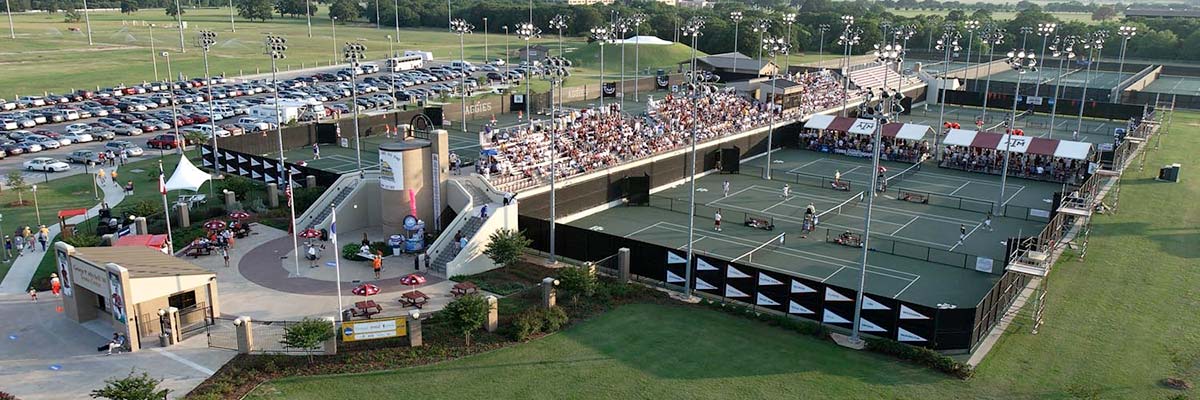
275,48
179,21
693,27
206,39
153,53
505,27
396,17
232,27
528,31
179,142
308,15
392,72
462,28
636,21
12,30
354,52
485,41
87,21
971,26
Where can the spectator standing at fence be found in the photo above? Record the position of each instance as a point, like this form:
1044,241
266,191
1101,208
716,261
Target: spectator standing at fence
725,187
717,220
8,247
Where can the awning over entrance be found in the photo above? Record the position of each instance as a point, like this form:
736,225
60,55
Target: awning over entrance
866,127
1018,144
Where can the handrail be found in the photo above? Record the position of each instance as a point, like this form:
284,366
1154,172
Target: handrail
438,244
321,202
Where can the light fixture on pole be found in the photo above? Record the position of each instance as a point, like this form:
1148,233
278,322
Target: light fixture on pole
1022,61
1094,44
179,22
736,17
850,36
354,52
948,44
462,28
823,28
393,59
1126,33
527,31
692,28
601,34
1025,31
87,21
1045,30
559,23
885,28
206,39
1063,48
774,46
992,37
333,25
506,51
396,19
556,73
275,48
620,28
789,19
971,26
636,21
760,27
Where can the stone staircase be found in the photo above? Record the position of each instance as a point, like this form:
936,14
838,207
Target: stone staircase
478,196
469,230
326,210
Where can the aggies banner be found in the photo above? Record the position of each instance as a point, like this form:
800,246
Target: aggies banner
609,89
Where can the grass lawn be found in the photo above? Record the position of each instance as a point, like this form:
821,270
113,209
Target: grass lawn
997,15
1117,324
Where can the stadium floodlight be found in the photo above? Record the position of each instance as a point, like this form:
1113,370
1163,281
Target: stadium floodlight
823,28
774,46
1062,48
1025,31
87,20
276,48
620,28
179,23
462,28
206,39
887,105
12,31
948,44
1126,33
736,17
851,36
601,35
1022,61
761,27
694,28
1094,44
789,19
993,38
971,26
1045,30
556,73
636,21
353,52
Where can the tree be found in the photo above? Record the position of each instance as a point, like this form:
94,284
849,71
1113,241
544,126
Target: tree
1104,13
577,282
129,6
72,15
16,182
255,9
294,8
465,315
506,246
132,387
345,10
307,334
172,9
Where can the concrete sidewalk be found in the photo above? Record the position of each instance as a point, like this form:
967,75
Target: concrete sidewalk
19,276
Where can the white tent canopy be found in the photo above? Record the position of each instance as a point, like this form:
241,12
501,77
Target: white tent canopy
187,176
819,121
1073,150
645,40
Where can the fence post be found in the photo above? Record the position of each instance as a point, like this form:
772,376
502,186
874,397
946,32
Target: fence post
273,195
413,321
623,265
139,224
245,334
173,325
548,292
230,198
493,317
330,346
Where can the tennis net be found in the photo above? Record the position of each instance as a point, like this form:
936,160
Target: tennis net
837,210
902,175
766,247
999,126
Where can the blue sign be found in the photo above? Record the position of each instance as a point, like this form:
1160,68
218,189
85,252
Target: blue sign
55,367
12,337
348,331
330,264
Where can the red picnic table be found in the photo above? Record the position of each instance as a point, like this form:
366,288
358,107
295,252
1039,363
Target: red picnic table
414,299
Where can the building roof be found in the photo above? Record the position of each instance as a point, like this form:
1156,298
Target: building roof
142,262
726,61
1167,13
782,83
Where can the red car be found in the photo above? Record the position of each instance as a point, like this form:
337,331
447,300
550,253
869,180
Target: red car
163,142
146,126
107,101
198,119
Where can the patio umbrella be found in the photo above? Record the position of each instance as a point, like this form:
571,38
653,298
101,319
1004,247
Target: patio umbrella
214,225
239,215
310,233
365,290
412,280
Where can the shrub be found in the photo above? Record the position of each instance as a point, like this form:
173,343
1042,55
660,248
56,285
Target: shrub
506,246
921,356
527,324
144,208
555,318
577,282
307,334
132,387
350,252
82,240
465,315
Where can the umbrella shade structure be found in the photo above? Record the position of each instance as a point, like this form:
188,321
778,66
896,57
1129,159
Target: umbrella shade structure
412,280
239,215
214,225
366,289
309,233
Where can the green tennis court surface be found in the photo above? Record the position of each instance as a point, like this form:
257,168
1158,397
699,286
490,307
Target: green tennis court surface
919,256
1070,77
1093,131
1173,84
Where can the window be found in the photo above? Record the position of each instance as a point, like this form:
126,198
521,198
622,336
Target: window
182,300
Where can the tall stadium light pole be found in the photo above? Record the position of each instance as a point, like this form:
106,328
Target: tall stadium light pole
354,52
602,35
556,72
333,25
692,28
789,19
885,29
87,20
377,24
179,21
1022,61
153,53
506,51
774,46
760,27
396,19
1045,30
635,20
485,39
449,15
559,23
12,30
179,142
527,31
275,48
736,17
620,29
992,38
232,27
1025,31
206,39
882,112
850,37
823,28
948,44
461,28
1063,48
392,73
970,26
1094,44
1126,33
308,15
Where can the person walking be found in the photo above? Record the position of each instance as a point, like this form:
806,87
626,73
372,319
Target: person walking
987,222
458,236
225,255
101,176
483,212
962,233
316,151
377,263
787,191
124,157
32,294
114,177
725,187
19,244
8,246
129,188
55,284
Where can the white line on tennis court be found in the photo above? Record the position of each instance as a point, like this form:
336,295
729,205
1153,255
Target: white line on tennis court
893,210
1100,127
914,219
684,246
473,146
960,187
781,202
806,164
910,283
683,229
648,227
1014,195
964,239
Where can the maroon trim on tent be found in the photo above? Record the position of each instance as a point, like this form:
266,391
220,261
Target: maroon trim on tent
1042,146
987,140
892,129
841,124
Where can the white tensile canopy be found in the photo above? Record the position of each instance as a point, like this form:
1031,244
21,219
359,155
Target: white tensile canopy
187,176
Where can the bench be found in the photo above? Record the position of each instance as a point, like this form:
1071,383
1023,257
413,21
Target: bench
414,299
914,197
760,223
464,288
848,239
197,251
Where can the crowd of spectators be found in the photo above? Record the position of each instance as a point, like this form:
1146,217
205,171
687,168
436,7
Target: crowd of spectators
822,91
1031,166
894,149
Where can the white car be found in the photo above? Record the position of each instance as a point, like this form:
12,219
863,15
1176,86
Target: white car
46,164
81,137
77,128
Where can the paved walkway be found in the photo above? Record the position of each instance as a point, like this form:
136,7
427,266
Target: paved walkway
19,276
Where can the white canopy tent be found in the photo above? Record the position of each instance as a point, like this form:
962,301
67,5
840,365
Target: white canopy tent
187,176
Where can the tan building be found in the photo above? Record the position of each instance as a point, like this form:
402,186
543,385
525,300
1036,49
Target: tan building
128,287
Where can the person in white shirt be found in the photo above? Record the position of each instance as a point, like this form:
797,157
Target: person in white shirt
717,221
725,187
787,191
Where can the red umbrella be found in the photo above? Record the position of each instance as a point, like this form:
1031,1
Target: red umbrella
239,215
214,225
310,233
365,290
412,280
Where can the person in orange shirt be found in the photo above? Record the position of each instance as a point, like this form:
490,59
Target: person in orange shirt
114,177
377,263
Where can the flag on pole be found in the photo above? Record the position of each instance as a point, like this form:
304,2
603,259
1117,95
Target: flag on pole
337,266
288,192
162,179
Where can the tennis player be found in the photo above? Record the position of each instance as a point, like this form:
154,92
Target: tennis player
787,191
987,222
962,233
717,221
725,187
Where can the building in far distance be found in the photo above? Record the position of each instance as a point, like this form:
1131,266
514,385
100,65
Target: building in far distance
1163,13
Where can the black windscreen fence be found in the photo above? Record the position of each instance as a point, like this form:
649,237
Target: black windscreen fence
1044,105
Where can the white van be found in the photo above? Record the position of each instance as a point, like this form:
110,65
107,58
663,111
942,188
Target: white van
425,55
69,115
463,65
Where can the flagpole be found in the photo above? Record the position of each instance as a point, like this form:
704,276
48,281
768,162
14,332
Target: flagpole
337,265
162,188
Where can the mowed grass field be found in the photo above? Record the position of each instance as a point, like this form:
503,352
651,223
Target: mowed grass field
1117,324
49,57
996,15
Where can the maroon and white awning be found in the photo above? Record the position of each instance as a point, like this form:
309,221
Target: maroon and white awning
1018,144
866,127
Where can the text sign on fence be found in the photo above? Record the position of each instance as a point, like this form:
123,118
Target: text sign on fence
374,329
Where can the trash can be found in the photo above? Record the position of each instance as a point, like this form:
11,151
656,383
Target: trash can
324,235
396,242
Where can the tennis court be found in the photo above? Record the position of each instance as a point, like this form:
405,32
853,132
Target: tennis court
1093,131
1174,84
917,254
1072,76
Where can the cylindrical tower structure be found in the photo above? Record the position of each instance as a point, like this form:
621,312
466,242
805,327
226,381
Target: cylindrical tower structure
405,182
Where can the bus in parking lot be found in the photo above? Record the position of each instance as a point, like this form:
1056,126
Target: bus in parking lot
405,63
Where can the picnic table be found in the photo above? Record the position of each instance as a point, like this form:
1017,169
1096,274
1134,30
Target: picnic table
414,299
368,308
200,250
463,288
191,200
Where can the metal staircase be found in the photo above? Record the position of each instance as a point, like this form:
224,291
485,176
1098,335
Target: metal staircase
326,210
452,249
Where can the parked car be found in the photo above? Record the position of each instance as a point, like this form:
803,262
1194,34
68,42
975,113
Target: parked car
122,146
83,157
80,137
76,128
11,148
29,146
46,164
102,133
45,142
163,142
